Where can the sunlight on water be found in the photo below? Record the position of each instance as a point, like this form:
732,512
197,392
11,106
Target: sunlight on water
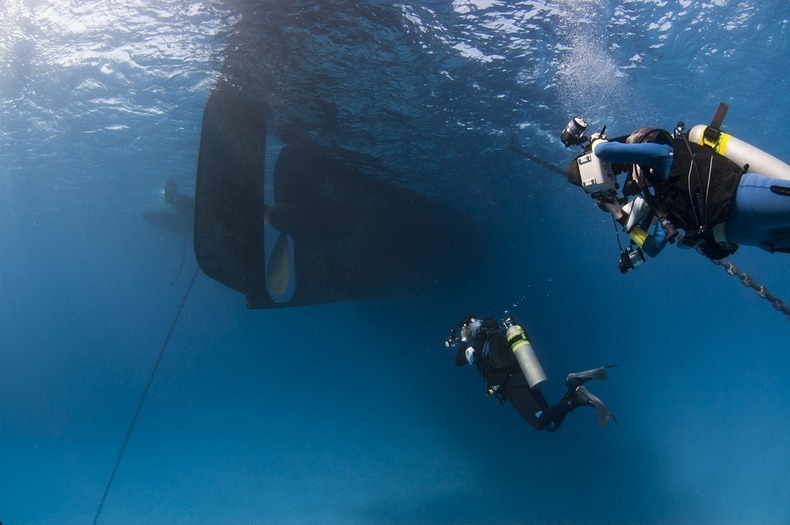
353,413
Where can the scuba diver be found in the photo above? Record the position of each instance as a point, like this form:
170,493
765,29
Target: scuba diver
503,355
183,203
178,220
705,189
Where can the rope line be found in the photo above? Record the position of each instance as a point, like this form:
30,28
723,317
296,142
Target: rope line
143,397
183,258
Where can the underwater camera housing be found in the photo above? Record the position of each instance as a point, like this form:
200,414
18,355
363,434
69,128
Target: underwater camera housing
596,176
630,258
573,134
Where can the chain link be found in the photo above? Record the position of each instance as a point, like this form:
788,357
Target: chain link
759,289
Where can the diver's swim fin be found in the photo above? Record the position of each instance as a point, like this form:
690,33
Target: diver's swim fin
278,267
575,379
585,397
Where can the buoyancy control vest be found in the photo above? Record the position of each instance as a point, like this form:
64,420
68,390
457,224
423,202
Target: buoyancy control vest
496,362
698,193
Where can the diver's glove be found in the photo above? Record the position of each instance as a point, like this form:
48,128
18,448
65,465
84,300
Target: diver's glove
609,203
596,138
611,208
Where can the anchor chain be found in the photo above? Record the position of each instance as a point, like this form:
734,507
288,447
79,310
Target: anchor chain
731,269
759,289
143,397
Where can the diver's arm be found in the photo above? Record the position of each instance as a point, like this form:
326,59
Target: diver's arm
651,244
657,156
656,241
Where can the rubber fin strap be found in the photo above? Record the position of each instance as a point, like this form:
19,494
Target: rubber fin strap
712,132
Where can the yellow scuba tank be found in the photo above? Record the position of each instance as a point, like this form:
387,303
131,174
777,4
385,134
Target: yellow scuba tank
525,354
742,153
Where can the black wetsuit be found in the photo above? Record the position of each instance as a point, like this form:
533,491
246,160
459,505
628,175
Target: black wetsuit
498,367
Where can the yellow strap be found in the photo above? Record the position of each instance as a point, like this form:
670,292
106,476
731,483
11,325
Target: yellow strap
638,235
705,142
518,345
721,144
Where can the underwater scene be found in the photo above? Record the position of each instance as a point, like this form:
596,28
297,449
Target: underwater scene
235,236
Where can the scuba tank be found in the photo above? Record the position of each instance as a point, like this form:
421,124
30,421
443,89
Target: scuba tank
741,153
525,354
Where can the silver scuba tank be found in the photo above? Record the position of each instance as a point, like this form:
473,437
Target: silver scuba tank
525,354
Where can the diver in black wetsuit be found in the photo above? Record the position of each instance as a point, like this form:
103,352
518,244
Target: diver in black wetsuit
504,357
183,203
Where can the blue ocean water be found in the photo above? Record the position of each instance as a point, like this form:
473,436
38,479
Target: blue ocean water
353,413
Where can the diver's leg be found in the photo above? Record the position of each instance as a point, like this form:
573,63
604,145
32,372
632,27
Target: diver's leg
576,396
553,416
529,403
760,213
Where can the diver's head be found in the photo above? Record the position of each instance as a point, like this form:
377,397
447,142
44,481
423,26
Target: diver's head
647,134
573,174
